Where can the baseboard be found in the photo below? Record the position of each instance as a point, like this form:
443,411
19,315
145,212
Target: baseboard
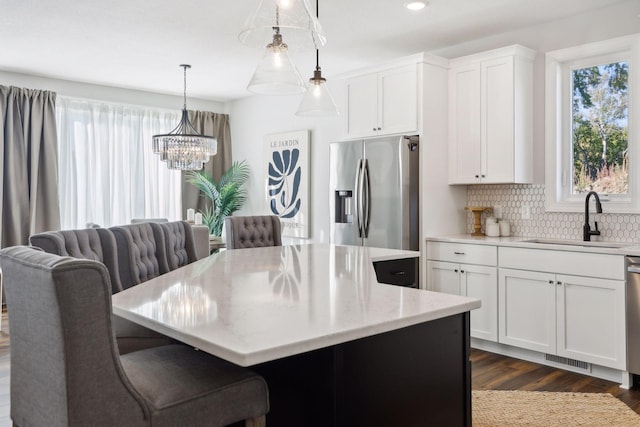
602,372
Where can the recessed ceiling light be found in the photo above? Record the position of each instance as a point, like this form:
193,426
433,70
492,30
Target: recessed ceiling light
416,5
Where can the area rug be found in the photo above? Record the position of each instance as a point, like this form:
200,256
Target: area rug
493,408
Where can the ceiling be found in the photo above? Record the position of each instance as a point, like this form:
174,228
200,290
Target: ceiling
139,44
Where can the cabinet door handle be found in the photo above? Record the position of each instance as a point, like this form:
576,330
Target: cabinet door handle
455,270
458,253
379,128
462,271
477,176
483,175
374,129
551,282
559,283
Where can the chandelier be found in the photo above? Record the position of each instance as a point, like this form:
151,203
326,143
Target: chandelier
184,148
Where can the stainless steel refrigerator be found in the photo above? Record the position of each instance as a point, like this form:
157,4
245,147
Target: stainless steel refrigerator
374,192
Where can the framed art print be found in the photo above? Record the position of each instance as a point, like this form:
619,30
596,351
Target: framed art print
287,167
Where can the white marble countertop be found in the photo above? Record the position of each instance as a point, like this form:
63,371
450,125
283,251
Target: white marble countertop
595,246
250,306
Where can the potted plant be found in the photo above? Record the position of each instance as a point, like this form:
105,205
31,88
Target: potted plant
226,196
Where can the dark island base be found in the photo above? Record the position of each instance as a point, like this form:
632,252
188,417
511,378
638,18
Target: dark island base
416,376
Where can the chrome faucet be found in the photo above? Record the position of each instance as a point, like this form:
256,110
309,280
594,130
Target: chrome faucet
587,232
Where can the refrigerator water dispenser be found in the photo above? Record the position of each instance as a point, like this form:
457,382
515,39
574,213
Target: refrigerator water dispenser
343,206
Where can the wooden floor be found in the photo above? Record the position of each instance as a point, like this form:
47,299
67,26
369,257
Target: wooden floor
494,372
489,372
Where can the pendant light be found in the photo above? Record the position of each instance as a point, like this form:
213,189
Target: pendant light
276,74
184,148
317,101
280,20
294,20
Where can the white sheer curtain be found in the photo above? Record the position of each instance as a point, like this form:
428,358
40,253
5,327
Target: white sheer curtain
108,173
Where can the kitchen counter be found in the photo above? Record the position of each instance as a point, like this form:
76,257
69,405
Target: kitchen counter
525,242
329,339
254,305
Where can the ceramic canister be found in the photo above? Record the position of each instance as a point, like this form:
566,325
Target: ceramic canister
493,229
505,229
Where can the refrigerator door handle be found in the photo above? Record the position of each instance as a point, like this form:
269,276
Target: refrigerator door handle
358,198
366,195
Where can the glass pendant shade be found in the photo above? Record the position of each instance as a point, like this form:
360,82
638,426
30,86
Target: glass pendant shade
294,20
317,100
276,74
184,148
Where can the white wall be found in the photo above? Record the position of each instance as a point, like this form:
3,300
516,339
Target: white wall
618,20
107,93
254,117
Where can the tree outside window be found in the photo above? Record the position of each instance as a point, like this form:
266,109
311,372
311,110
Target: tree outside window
600,128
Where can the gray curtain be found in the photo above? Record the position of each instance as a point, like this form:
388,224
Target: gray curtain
211,124
29,164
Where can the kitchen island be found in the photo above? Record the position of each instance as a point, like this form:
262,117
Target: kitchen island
335,346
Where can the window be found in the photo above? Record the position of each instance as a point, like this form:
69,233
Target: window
107,171
591,138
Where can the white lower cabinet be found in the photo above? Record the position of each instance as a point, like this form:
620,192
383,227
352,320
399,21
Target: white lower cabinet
558,302
591,320
476,281
527,309
581,318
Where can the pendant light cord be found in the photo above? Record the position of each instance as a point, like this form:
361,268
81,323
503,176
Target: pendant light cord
314,39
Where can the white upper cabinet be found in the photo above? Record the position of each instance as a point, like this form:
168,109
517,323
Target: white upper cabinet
490,117
382,103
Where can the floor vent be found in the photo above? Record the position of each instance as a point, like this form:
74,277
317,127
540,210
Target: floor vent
568,362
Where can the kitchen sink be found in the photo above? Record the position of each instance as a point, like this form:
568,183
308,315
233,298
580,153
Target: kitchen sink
608,245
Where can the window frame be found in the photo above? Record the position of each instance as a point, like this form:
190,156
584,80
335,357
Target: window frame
558,122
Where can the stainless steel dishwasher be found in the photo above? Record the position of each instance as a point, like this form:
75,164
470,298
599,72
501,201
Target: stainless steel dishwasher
633,314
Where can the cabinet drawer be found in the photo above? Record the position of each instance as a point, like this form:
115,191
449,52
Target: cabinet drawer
401,272
563,262
463,253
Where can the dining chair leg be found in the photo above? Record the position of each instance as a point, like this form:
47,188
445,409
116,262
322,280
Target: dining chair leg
256,422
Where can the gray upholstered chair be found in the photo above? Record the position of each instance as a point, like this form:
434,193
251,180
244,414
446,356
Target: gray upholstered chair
65,367
179,243
201,240
141,252
200,235
139,220
99,244
252,231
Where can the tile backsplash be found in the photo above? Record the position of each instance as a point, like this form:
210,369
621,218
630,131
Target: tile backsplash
551,225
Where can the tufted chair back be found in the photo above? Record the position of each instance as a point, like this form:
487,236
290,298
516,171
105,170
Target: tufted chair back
252,231
179,244
98,244
141,253
66,370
